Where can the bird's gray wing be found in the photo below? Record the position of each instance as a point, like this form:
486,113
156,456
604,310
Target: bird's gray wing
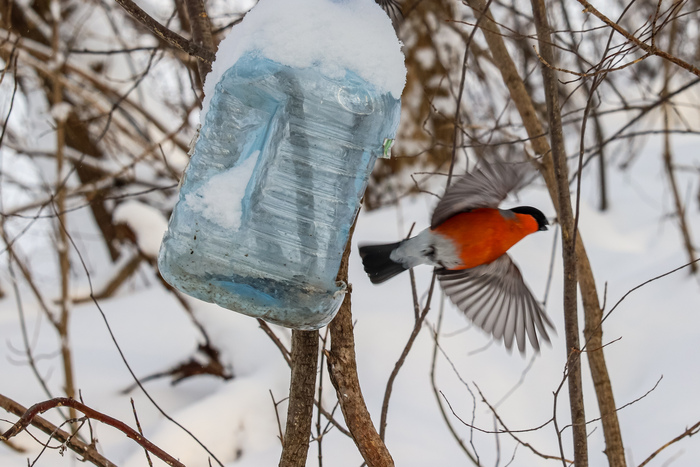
484,187
497,300
393,9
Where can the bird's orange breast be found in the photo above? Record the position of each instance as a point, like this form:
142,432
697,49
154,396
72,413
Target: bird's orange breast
482,235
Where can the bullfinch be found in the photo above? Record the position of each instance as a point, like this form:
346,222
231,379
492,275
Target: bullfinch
467,243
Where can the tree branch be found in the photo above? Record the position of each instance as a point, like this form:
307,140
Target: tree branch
191,48
31,417
651,49
693,430
201,32
593,314
302,388
566,220
342,369
417,326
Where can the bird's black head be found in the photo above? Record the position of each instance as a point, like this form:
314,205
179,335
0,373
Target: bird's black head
534,212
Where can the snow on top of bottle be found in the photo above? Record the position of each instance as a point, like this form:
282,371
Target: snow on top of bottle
330,35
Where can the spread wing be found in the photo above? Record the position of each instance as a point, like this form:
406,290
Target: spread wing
484,187
497,300
393,9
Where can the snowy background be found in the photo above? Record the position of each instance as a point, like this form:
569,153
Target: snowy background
654,332
652,335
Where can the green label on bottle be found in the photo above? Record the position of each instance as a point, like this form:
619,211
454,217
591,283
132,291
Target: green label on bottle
388,143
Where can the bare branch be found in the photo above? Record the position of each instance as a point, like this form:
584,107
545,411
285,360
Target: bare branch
651,49
512,434
172,38
436,391
201,32
302,387
138,427
342,369
417,326
566,220
88,451
693,430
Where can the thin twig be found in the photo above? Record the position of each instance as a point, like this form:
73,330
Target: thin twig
693,430
277,415
648,281
512,434
30,414
138,427
417,326
436,391
126,362
462,80
588,8
319,431
282,348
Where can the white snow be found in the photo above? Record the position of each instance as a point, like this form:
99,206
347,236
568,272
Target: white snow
147,222
219,198
329,35
658,326
242,426
60,112
55,8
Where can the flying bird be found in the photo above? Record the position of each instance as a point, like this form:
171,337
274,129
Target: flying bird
467,243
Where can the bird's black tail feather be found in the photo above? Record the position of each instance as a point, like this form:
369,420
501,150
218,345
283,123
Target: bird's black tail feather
378,263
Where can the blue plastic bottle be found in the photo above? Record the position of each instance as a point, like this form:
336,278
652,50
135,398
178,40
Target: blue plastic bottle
272,189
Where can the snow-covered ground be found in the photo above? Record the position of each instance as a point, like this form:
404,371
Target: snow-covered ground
652,334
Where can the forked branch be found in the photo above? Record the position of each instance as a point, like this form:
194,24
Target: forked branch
31,417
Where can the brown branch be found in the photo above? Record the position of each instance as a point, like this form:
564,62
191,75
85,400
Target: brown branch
566,220
651,49
276,340
60,225
31,414
191,367
88,451
302,388
436,391
124,273
285,353
594,73
668,163
320,432
138,427
31,360
512,434
275,404
458,113
171,37
407,348
526,108
37,56
342,369
693,430
201,32
653,279
594,314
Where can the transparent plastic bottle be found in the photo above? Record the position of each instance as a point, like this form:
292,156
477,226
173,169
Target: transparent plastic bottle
272,189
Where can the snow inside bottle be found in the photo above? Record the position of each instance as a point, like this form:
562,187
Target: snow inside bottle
282,161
